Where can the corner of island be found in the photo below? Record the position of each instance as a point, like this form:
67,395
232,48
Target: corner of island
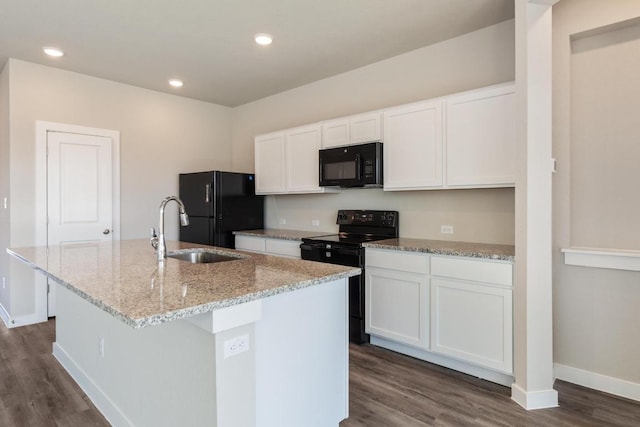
257,340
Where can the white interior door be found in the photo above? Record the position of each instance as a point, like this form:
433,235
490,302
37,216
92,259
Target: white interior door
79,191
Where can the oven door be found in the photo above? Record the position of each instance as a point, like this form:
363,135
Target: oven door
341,167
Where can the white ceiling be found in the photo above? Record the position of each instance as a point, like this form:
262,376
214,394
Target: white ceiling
209,43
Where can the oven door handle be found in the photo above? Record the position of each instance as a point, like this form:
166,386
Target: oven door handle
346,251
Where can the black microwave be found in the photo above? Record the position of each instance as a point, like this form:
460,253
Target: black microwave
352,166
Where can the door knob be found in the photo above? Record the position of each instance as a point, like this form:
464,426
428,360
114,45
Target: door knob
106,231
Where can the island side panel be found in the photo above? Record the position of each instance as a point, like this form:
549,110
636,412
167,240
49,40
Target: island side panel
163,375
302,357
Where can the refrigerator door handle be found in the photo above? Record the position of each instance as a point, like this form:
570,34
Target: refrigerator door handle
207,192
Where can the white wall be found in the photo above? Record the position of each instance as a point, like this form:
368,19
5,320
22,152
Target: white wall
596,314
477,59
160,135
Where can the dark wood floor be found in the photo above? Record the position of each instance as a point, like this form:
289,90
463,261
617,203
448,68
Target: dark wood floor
386,389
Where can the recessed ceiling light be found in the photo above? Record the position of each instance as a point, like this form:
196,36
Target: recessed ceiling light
176,83
52,51
263,39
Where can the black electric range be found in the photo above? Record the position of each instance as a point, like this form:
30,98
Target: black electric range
345,248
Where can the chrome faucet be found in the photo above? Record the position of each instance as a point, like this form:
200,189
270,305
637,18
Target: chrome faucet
158,242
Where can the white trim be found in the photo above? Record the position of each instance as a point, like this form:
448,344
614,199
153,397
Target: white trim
618,259
599,382
4,315
107,408
30,319
531,400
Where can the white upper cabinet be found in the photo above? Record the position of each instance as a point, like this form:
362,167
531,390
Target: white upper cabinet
302,146
270,163
352,130
413,146
466,140
336,133
366,128
481,138
287,161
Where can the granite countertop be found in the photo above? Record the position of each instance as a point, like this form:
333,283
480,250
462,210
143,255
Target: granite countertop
442,247
274,233
124,278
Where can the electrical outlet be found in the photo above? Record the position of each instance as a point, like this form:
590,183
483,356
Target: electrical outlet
4,282
101,347
236,345
282,221
315,222
446,229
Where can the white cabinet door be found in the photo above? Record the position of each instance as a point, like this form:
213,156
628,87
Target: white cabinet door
302,146
413,146
481,138
352,130
336,133
270,163
472,322
366,128
396,306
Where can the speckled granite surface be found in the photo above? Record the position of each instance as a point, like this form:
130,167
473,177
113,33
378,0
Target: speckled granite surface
274,233
124,278
442,247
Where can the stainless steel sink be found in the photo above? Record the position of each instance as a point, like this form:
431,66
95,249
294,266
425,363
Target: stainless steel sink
199,256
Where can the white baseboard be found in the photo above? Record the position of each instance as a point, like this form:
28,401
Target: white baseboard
14,322
599,382
101,401
5,317
530,400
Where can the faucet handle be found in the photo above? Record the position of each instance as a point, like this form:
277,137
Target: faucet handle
154,238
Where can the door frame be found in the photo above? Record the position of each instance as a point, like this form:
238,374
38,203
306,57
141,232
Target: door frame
41,212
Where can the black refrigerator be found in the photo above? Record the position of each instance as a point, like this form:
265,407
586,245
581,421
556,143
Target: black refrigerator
219,203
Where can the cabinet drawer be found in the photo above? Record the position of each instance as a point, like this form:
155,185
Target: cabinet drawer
410,262
289,248
252,244
499,273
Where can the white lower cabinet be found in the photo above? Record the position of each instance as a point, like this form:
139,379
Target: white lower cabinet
459,308
397,306
472,322
269,246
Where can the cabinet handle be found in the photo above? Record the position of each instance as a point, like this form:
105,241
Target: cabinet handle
207,189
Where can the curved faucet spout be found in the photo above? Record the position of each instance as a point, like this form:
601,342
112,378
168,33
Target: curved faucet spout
184,220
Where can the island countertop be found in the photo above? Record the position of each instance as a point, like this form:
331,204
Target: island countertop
124,278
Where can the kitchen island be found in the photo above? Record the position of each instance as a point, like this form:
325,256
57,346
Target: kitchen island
256,340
